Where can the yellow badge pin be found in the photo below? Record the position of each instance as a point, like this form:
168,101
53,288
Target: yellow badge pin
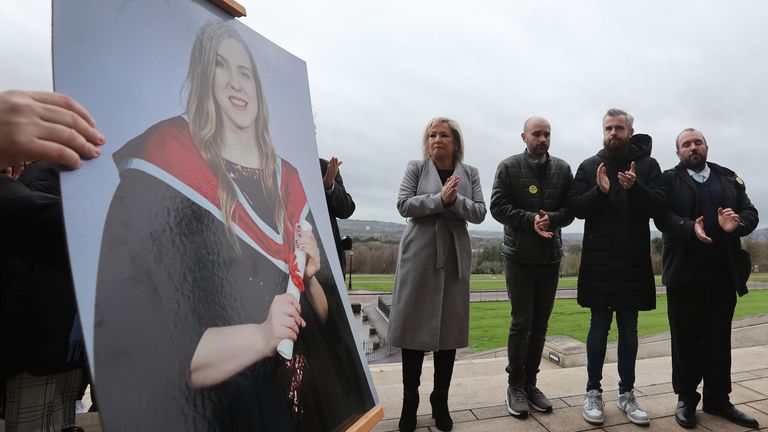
739,180
533,189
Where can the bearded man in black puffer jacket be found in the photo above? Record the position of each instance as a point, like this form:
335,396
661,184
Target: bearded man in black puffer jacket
616,192
529,198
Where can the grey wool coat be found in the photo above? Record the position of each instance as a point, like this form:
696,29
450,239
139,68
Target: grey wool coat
430,302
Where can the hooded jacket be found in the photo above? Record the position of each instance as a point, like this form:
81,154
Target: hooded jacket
615,271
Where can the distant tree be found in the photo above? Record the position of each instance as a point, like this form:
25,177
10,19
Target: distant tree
569,265
657,246
488,259
373,256
758,250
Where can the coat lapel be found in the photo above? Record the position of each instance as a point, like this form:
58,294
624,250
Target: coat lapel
430,179
465,183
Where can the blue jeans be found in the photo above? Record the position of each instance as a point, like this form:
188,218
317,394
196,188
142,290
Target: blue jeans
597,339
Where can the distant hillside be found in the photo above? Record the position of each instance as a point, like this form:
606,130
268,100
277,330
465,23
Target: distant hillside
389,231
392,231
365,229
760,234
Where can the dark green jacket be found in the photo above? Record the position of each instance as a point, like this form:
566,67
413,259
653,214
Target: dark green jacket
516,199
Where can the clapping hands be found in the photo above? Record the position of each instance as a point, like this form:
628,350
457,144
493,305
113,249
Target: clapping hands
450,190
541,225
627,178
331,172
726,218
602,178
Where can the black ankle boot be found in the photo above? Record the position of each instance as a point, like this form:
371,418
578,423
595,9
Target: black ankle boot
408,414
439,401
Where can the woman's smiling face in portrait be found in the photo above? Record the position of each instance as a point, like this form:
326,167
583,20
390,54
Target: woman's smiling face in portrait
234,87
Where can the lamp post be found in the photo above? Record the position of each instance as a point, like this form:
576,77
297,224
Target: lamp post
349,283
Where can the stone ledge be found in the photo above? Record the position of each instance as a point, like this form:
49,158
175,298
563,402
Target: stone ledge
568,352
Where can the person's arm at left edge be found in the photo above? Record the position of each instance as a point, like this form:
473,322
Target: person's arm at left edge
340,203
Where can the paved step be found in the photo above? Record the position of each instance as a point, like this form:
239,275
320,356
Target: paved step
478,388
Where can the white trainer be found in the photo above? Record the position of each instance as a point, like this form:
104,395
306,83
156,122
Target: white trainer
629,404
593,407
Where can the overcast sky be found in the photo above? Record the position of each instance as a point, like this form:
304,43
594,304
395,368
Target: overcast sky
379,71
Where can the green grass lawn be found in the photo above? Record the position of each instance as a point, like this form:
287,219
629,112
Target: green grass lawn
489,322
384,283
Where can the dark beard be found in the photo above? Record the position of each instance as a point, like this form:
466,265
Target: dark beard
695,166
617,150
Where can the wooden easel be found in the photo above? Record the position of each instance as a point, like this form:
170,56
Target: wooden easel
369,419
231,7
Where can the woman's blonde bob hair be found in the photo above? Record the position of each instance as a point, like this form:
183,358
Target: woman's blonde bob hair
458,139
205,118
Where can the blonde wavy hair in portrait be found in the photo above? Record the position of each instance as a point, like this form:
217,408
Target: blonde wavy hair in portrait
458,139
205,122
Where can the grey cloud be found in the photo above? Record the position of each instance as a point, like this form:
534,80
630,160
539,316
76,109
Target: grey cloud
379,71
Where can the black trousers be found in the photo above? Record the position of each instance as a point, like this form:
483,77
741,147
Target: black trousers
531,289
700,318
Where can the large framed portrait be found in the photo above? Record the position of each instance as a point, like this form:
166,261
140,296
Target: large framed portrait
208,285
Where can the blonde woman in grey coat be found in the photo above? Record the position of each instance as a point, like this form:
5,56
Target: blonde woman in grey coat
430,303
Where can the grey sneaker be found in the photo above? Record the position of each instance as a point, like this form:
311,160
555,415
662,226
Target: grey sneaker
517,402
635,413
593,407
536,398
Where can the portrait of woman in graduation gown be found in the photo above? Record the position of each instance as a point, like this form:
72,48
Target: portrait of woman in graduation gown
203,235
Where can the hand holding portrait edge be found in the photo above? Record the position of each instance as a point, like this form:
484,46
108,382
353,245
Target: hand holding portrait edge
46,126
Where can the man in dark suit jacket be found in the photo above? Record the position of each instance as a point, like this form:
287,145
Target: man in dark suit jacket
340,204
708,212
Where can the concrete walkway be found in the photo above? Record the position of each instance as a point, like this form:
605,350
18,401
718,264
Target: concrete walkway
478,388
477,397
